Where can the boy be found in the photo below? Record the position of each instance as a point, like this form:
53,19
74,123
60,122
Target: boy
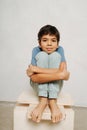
47,71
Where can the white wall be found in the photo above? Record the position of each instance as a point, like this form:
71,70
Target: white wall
20,20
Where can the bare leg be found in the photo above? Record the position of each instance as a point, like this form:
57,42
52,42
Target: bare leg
56,114
38,111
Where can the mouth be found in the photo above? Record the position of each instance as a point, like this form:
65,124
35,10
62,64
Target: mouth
49,49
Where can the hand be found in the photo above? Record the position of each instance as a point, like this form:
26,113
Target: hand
29,71
65,75
32,68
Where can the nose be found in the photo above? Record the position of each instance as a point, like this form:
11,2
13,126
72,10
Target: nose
49,43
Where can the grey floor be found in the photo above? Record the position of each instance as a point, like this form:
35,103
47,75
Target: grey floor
6,117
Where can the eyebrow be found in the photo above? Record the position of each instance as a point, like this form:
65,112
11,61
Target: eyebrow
52,38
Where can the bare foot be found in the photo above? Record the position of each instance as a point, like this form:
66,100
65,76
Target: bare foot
56,114
37,112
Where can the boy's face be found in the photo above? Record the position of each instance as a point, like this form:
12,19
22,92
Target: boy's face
48,43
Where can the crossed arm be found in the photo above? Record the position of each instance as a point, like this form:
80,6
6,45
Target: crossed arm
43,75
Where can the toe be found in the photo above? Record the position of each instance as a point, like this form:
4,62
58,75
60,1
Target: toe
53,119
38,119
59,117
34,117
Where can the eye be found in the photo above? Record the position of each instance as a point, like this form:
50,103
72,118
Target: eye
54,40
44,40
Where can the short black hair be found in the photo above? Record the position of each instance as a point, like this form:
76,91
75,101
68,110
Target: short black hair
48,29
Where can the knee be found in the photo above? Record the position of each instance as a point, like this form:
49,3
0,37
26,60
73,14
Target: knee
43,56
55,55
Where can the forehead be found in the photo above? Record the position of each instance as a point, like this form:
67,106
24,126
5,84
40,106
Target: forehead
49,36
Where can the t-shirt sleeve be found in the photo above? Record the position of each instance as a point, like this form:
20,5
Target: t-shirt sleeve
33,60
35,51
61,51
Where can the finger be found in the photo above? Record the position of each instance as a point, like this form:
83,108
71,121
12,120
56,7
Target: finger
29,66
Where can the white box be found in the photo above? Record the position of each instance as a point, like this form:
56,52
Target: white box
21,122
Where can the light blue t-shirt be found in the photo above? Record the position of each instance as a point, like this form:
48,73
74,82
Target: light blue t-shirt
37,49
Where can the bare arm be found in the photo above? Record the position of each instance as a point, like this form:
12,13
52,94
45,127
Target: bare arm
42,75
39,70
44,78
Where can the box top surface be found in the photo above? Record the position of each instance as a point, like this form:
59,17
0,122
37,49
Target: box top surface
29,97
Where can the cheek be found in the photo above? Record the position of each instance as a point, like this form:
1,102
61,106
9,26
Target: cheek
56,46
41,46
